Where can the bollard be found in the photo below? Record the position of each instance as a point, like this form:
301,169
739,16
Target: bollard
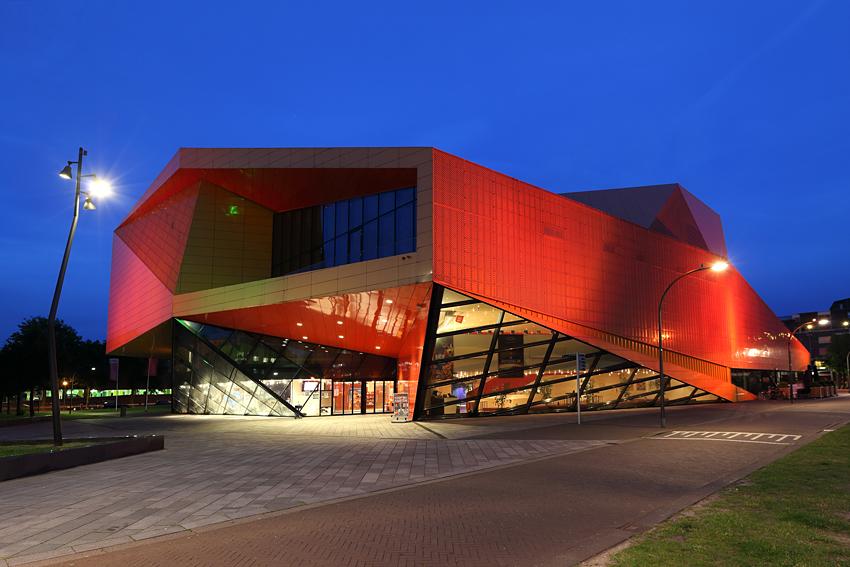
123,411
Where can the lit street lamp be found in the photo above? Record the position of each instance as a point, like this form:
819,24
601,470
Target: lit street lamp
719,266
98,188
809,325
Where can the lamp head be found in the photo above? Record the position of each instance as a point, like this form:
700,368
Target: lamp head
719,266
66,172
823,322
810,326
99,188
89,205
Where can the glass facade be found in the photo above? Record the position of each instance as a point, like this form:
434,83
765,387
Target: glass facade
486,361
344,232
224,371
758,382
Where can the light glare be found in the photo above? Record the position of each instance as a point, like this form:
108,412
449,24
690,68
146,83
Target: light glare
100,188
719,266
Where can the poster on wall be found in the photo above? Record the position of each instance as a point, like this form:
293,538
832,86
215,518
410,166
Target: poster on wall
401,407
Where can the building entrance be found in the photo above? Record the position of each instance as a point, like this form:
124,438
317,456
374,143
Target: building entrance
349,397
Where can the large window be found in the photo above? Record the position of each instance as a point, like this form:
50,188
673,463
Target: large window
353,230
223,371
488,361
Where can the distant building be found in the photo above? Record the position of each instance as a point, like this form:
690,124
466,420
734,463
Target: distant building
818,339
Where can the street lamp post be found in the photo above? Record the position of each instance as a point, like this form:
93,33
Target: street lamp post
808,325
66,173
847,361
715,267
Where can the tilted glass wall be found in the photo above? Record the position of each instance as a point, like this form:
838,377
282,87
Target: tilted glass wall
352,230
225,371
485,361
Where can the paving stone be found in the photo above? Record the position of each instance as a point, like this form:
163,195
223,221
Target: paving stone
217,468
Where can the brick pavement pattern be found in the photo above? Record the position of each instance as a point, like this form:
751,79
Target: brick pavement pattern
556,511
217,469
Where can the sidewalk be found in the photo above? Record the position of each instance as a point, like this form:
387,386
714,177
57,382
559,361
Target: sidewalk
516,490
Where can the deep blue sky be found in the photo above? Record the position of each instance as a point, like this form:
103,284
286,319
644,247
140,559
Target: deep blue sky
747,104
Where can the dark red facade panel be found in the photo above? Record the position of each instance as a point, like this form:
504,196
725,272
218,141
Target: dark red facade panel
507,241
138,300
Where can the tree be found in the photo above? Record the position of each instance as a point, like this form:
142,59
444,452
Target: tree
24,361
92,367
837,354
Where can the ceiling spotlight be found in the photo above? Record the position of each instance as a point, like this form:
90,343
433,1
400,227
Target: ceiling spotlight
299,324
304,337
719,266
66,172
341,336
389,301
377,348
339,322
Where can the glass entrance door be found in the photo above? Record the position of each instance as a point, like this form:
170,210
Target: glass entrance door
360,396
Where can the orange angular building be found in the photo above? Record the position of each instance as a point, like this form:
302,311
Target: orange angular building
322,281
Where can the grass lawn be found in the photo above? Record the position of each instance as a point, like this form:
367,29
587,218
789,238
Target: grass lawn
26,449
795,511
94,413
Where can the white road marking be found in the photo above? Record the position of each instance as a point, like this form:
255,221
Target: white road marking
750,437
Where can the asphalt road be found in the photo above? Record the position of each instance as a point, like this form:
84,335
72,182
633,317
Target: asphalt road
554,511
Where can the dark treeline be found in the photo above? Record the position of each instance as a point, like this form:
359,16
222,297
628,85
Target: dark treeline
83,365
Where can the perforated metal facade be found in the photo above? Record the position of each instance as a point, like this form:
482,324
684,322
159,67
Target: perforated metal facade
199,247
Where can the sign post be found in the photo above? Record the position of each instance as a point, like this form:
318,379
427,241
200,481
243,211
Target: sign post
401,407
113,376
152,363
581,366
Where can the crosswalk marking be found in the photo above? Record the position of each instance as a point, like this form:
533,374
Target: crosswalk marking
731,436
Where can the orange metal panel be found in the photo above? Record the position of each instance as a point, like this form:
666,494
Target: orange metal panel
410,352
372,321
507,241
138,300
159,237
282,189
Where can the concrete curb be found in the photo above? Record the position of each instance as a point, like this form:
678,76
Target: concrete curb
114,448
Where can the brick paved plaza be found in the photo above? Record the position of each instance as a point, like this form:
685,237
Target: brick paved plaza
362,491
218,468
